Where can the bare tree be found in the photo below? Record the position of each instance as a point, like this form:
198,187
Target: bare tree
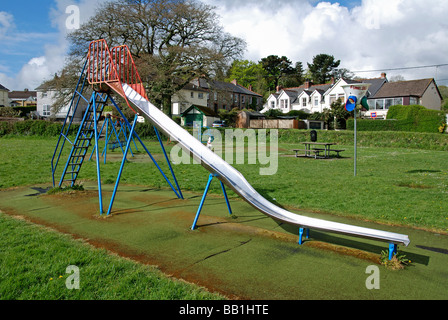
172,41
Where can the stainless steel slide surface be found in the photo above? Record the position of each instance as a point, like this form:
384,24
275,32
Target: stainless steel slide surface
236,181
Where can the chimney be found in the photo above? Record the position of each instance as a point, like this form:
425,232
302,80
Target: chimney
250,87
278,88
307,84
332,80
234,82
383,75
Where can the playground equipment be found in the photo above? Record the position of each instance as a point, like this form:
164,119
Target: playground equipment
114,71
355,94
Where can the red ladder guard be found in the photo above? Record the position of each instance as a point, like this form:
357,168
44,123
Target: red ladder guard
114,68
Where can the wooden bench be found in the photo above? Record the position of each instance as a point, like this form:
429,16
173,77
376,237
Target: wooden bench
337,151
315,151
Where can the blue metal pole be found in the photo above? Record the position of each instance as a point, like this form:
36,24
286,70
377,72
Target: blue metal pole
202,201
97,152
128,144
169,163
225,196
392,250
301,235
94,147
149,153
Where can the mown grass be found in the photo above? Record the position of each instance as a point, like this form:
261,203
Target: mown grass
34,261
394,185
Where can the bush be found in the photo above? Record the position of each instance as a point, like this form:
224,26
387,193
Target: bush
413,118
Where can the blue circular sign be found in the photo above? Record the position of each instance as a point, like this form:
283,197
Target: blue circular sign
351,103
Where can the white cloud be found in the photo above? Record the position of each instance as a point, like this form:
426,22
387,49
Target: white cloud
372,35
6,22
55,46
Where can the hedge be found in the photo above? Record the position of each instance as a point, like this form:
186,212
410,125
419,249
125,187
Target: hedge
53,129
413,118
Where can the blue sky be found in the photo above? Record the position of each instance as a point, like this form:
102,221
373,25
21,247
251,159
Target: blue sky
31,28
381,34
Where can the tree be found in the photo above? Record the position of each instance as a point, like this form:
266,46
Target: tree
342,73
248,73
172,42
276,67
322,68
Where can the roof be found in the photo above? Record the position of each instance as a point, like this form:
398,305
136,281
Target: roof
414,88
224,86
3,88
295,92
204,110
22,95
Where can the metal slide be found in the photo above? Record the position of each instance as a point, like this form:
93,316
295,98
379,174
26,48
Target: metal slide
235,180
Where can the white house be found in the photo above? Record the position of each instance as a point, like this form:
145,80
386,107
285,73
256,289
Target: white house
298,98
4,100
316,98
46,98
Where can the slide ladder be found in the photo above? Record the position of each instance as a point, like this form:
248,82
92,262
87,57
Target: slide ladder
87,131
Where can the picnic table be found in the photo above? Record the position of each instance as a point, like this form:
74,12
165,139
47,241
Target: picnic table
315,149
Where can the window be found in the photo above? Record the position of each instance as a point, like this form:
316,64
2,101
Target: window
388,103
243,99
413,100
192,94
332,98
272,104
316,101
379,104
215,95
398,101
200,95
304,102
46,110
341,97
284,103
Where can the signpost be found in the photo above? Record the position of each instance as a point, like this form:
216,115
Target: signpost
355,94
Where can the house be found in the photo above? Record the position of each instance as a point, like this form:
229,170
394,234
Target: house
216,95
201,114
22,98
46,98
307,97
4,101
191,94
422,92
316,98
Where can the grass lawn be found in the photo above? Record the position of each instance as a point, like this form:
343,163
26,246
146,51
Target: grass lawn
398,186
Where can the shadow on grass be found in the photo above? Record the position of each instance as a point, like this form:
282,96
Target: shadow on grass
353,243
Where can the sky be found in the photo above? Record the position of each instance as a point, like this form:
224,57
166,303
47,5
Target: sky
397,37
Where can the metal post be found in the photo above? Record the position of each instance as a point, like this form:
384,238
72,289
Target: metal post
307,234
301,235
392,250
355,144
225,196
210,177
128,144
97,153
169,163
